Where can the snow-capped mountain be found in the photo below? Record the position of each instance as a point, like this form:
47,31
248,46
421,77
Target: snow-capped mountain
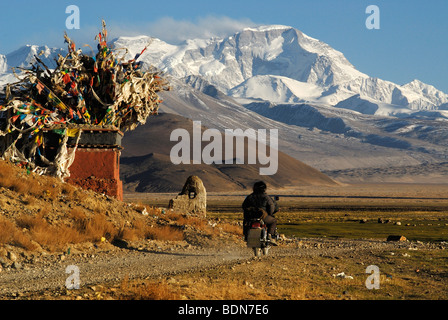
25,56
281,64
329,115
270,50
277,63
324,137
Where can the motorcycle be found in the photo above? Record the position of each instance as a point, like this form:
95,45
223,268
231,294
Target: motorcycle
257,237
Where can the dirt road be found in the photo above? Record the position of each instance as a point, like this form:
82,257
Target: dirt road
99,267
42,277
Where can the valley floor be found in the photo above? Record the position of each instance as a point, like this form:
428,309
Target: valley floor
324,255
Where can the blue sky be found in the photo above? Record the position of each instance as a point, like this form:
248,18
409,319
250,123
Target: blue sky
411,43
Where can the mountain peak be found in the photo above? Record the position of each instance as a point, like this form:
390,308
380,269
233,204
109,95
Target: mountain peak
416,84
419,86
264,28
428,91
24,56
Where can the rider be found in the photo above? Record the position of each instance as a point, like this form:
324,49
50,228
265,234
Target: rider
259,203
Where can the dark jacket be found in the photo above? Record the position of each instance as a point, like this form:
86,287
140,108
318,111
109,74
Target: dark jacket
256,201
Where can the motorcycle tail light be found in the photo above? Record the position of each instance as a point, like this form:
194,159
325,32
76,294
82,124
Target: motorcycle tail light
256,225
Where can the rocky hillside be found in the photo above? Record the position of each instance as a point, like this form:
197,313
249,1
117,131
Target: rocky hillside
43,218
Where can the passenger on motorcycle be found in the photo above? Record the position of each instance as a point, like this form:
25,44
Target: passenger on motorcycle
260,205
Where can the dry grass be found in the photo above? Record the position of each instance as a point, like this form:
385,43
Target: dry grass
147,291
93,228
309,278
28,184
88,219
11,181
215,284
7,230
31,231
36,227
165,233
184,220
138,230
41,212
36,230
28,230
232,228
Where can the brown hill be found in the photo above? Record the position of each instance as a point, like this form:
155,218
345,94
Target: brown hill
146,165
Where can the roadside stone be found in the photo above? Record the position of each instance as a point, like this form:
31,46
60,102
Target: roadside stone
17,265
396,238
192,199
12,256
4,263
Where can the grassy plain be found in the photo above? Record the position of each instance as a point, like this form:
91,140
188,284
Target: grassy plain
337,215
418,212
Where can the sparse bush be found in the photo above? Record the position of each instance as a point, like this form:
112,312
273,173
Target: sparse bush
10,181
68,190
93,228
29,200
138,230
147,291
17,180
11,234
184,220
7,230
32,221
39,230
232,228
165,233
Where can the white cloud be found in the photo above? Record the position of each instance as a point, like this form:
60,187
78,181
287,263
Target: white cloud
167,29
174,31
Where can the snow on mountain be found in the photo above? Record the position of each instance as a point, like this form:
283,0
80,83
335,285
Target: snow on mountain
283,65
274,63
328,114
370,106
25,56
6,78
276,89
388,98
3,64
270,50
324,137
128,47
429,92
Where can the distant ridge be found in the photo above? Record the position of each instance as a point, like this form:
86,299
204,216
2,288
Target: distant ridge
146,165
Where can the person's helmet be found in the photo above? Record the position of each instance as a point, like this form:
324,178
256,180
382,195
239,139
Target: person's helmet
259,187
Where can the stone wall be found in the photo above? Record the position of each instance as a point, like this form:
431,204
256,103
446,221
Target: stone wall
97,170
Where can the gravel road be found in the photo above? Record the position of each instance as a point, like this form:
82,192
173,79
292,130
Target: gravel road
48,273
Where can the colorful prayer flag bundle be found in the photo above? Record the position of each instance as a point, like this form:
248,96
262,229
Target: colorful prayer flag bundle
100,89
